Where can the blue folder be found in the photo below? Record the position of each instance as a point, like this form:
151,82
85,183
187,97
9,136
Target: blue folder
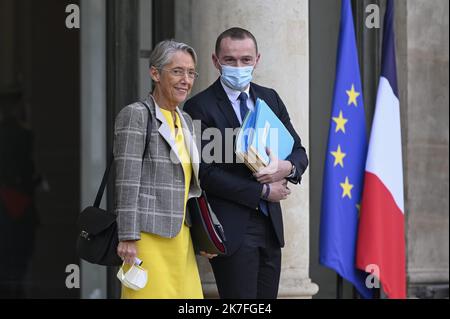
262,129
242,142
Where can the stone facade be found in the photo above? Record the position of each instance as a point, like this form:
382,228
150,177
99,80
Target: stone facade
422,46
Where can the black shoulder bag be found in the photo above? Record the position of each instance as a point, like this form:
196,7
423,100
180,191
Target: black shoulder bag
97,228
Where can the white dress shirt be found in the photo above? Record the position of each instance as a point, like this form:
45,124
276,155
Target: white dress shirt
233,96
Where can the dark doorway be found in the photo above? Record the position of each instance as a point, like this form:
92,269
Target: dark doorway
40,159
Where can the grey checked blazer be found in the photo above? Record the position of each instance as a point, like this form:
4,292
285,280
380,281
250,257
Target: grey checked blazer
149,195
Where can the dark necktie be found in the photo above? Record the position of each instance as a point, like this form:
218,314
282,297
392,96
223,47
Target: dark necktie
244,109
243,105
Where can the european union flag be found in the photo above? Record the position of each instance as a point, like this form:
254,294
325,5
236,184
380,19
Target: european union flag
345,162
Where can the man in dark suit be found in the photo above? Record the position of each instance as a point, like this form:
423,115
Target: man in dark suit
247,204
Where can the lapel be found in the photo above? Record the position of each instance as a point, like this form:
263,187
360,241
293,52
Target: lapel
225,105
254,94
189,140
164,131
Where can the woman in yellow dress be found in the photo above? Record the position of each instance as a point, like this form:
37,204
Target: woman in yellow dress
151,194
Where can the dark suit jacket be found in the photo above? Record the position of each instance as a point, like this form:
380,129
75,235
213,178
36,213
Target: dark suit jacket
232,190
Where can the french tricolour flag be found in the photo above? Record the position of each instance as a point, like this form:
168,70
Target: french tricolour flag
381,235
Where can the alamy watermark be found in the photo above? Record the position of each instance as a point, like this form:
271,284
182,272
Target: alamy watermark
372,280
73,17
372,19
219,146
73,277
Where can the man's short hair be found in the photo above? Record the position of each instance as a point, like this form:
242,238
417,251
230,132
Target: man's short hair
235,34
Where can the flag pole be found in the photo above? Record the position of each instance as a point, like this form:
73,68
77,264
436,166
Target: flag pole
355,293
377,293
339,287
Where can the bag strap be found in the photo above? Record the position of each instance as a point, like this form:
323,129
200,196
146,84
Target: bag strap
101,190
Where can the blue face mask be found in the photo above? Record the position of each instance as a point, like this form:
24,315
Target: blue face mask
237,78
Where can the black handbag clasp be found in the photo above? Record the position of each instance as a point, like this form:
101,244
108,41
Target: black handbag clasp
85,235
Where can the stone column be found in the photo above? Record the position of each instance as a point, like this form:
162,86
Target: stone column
281,29
93,127
423,84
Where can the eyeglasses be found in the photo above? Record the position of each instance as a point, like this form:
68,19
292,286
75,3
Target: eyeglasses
178,72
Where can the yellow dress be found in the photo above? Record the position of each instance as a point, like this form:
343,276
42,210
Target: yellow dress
170,262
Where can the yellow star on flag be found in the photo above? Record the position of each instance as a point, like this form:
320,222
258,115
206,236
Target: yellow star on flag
340,122
338,156
346,188
352,95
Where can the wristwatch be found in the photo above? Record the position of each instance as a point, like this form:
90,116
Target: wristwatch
293,171
266,191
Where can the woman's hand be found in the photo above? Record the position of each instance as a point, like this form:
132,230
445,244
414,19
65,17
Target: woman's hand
209,256
127,250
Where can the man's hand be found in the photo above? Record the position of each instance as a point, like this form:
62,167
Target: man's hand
127,250
278,191
209,256
276,171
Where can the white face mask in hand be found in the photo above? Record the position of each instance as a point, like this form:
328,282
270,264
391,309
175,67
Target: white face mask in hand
135,278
